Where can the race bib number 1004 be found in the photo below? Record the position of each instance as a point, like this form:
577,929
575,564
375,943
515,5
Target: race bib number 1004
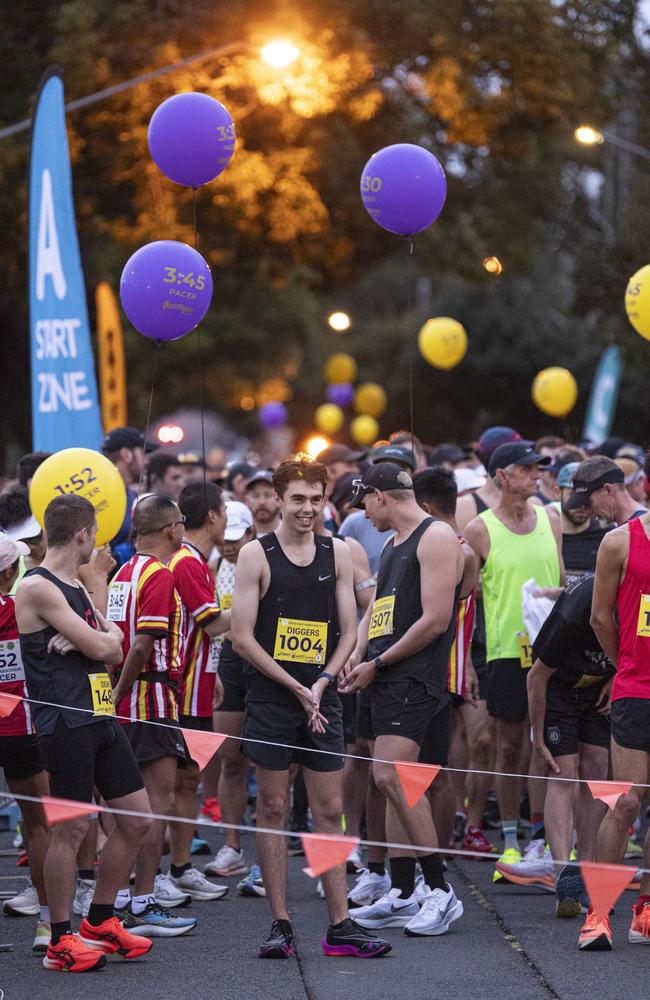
300,641
381,619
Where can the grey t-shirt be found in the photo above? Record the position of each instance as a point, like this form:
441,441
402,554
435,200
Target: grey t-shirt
357,526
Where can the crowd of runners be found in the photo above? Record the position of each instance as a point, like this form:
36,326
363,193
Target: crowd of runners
482,607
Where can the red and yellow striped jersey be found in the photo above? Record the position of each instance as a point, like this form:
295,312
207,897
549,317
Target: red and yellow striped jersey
12,673
142,598
456,676
195,586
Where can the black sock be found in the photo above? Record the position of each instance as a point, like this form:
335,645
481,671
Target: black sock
99,912
431,865
402,874
339,927
377,867
58,930
87,873
178,870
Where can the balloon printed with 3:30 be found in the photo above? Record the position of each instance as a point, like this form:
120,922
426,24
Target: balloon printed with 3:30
191,138
403,188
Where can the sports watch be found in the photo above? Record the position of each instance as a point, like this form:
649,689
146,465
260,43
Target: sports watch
379,664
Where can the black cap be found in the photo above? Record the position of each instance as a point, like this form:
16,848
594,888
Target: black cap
344,490
451,453
339,453
516,453
126,437
590,476
393,453
260,476
383,477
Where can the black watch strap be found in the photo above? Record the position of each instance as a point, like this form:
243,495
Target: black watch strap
330,679
379,664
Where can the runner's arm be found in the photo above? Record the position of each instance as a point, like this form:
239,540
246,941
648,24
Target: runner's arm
94,576
136,661
556,525
219,625
364,581
537,683
346,609
610,560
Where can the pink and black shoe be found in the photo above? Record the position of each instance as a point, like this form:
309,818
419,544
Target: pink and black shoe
347,938
279,943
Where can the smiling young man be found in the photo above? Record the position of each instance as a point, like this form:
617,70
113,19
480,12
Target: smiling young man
294,621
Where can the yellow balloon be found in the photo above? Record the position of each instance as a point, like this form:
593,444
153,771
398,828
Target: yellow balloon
370,399
637,301
442,342
87,474
555,391
329,418
364,429
340,368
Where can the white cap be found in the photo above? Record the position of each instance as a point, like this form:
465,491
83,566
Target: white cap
240,519
30,528
469,479
10,550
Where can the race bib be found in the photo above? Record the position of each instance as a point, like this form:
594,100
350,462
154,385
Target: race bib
102,692
525,650
11,662
381,619
643,624
225,602
118,595
213,659
300,641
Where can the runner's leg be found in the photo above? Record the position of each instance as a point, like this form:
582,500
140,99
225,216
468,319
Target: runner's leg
324,789
272,806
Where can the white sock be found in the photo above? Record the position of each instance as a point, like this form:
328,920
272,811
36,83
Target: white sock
122,898
509,829
140,903
45,915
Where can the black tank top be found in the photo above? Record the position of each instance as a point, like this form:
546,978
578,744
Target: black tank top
398,583
480,504
479,650
60,679
297,621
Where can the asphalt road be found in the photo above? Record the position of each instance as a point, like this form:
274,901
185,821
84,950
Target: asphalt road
507,945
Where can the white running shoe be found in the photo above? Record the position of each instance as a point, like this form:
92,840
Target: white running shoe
166,894
368,888
535,868
354,863
421,890
436,915
23,904
227,862
198,886
42,938
389,911
83,896
320,888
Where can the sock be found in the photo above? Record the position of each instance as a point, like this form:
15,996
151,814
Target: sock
59,929
537,823
640,903
431,865
44,917
402,873
140,903
87,873
179,870
509,830
339,927
377,867
122,899
99,912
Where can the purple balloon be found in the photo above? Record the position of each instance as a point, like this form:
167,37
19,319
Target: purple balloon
403,188
341,394
166,289
191,138
273,415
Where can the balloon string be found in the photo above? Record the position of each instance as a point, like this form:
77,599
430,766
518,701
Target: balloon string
157,344
199,351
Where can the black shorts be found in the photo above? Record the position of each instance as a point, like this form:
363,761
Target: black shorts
232,671
631,723
507,695
571,718
402,707
82,758
20,756
349,705
280,723
365,729
153,742
435,745
203,723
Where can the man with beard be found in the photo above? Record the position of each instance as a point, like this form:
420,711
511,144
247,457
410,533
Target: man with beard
260,497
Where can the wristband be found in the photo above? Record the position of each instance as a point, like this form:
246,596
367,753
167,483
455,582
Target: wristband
330,679
365,584
379,664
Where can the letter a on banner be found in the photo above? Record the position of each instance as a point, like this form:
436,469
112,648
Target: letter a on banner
65,411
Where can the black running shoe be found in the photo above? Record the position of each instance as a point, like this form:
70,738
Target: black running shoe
350,939
279,943
572,898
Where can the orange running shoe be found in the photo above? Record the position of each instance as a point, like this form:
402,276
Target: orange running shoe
639,932
595,934
111,938
71,955
211,809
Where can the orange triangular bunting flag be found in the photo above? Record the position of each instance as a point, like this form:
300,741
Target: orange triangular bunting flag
8,703
415,779
202,746
609,791
324,853
605,883
59,810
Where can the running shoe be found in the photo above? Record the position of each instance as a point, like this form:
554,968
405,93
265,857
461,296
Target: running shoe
155,921
83,896
22,860
350,939
595,934
198,886
252,884
295,848
320,889
475,840
111,937
71,955
572,898
421,889
42,937
200,846
639,932
389,911
509,857
437,913
533,869
279,943
354,864
228,861
23,904
368,888
633,851
460,822
211,809
167,894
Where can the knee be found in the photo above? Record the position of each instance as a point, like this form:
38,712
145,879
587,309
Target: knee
627,808
134,828
482,746
385,779
72,832
509,752
273,807
328,814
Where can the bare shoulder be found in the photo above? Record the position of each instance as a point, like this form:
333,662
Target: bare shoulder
438,534
465,510
355,548
342,554
616,542
475,529
251,558
36,588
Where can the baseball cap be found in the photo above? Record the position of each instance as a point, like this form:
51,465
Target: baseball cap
469,479
393,453
239,520
633,451
383,476
344,489
339,453
126,437
630,469
491,438
590,476
29,528
260,476
10,550
451,453
566,474
517,453
231,472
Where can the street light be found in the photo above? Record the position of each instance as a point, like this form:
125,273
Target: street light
315,444
339,321
280,54
492,265
589,136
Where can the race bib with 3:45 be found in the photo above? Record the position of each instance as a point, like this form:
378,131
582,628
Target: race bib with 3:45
118,595
11,662
525,650
102,692
381,619
300,641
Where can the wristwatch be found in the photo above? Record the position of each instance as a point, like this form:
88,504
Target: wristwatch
379,664
330,680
